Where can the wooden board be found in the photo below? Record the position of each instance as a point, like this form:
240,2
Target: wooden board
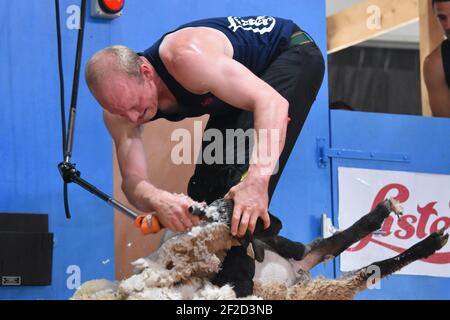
359,22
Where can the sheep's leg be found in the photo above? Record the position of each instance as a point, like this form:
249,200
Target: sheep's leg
420,250
286,248
325,249
347,287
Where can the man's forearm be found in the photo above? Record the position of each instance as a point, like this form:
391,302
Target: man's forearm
139,193
270,123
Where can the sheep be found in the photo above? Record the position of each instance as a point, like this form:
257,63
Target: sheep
183,266
179,269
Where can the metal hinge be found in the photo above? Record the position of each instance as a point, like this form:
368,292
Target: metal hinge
328,228
324,153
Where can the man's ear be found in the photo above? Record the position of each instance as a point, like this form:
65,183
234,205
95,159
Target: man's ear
147,71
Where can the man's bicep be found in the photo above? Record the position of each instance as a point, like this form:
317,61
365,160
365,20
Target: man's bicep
438,91
224,77
129,147
131,158
440,101
238,86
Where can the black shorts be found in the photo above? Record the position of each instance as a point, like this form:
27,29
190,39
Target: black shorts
297,74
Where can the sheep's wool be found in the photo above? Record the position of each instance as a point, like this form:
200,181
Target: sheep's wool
179,269
182,266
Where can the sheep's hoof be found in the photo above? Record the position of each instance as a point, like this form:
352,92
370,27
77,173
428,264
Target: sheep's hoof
432,243
394,206
436,240
442,237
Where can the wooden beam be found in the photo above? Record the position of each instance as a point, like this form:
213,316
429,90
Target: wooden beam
359,22
431,36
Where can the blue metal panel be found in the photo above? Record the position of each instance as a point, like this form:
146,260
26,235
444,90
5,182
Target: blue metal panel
30,128
427,142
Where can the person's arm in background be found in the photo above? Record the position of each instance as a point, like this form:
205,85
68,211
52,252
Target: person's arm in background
438,90
171,209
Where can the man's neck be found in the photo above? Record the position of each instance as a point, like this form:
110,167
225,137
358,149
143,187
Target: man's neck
167,102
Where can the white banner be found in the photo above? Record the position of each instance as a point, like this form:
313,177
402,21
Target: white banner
425,199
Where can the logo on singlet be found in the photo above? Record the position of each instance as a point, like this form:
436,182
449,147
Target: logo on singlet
260,24
207,102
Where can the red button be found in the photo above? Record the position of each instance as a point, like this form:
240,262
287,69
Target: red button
112,6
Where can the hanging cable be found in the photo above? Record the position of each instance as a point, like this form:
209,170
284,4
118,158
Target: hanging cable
76,80
67,169
62,101
61,76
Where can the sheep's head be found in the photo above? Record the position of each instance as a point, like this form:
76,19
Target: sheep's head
220,210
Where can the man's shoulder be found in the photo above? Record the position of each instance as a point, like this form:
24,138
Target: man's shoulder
182,48
174,43
433,62
188,36
436,54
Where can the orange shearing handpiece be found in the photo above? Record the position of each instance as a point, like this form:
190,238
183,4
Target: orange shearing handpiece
148,224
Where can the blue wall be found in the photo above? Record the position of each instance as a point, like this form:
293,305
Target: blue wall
426,141
31,134
30,130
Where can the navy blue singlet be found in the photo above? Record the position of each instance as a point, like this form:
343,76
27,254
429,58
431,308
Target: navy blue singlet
256,40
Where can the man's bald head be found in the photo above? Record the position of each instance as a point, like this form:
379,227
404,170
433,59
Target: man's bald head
123,83
111,62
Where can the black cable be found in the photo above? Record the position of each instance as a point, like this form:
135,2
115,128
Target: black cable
76,78
66,201
62,100
61,76
67,170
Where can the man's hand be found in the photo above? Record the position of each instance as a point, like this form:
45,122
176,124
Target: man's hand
250,203
172,211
